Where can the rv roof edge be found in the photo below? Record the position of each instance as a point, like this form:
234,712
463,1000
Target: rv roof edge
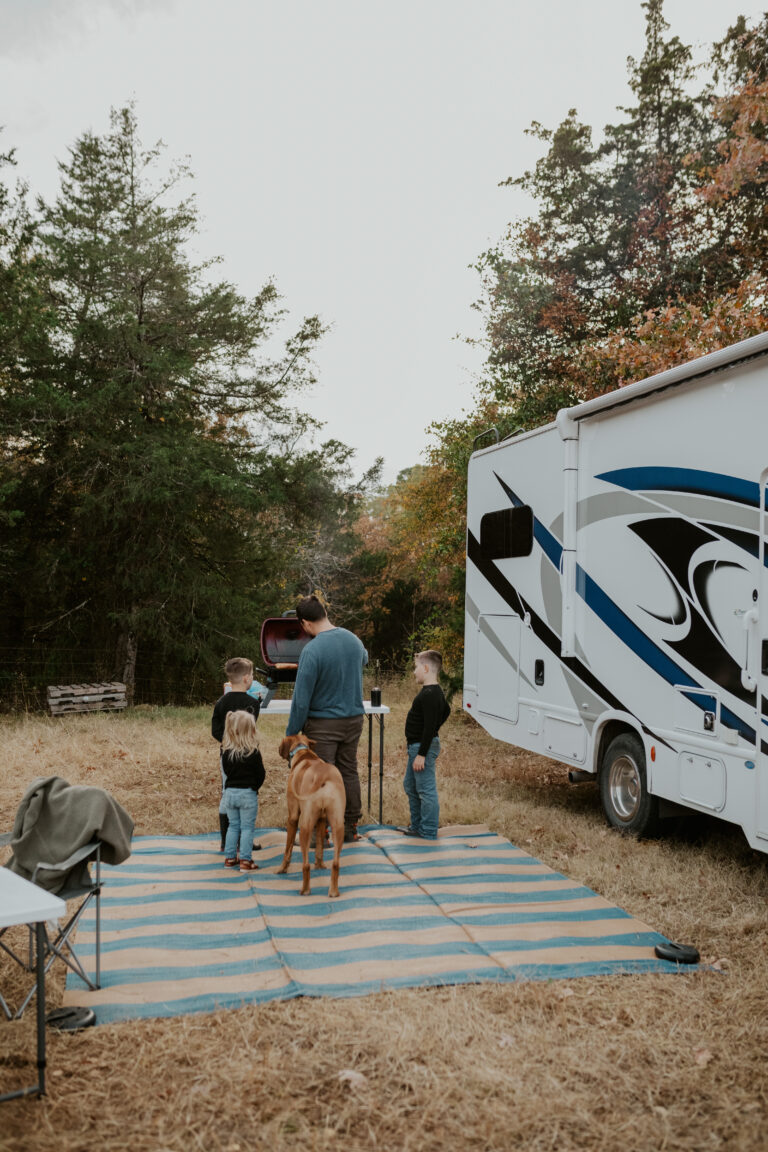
566,425
733,354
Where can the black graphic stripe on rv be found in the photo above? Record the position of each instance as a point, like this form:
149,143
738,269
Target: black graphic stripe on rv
649,652
617,620
550,639
711,657
549,544
674,541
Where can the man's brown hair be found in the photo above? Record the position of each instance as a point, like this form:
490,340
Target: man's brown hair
431,657
310,608
238,667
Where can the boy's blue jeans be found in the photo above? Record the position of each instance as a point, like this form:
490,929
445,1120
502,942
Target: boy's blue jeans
242,806
421,790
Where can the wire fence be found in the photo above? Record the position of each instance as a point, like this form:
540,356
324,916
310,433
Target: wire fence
26,673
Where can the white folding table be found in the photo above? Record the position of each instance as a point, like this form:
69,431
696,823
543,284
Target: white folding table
22,902
283,707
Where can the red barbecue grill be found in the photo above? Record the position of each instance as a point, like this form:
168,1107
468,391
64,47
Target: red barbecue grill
282,639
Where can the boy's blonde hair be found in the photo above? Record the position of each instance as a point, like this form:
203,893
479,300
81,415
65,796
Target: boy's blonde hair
240,737
431,657
238,668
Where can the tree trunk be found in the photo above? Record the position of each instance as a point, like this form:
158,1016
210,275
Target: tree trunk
130,647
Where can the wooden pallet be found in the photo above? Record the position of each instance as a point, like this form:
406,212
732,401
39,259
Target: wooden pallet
106,697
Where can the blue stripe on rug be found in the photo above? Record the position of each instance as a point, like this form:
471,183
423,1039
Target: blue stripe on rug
108,1013
180,942
550,916
154,974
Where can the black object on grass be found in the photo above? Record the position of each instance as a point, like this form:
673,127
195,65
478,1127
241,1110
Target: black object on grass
71,1019
678,953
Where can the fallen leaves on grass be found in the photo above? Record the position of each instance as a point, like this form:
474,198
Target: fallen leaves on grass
719,964
353,1078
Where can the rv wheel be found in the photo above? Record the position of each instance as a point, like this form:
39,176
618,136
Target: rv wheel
624,789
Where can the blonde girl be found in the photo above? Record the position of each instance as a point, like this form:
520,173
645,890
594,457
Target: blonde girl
244,775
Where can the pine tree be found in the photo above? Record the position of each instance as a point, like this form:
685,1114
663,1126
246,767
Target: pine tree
165,500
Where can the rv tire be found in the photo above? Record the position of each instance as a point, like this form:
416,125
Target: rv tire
627,803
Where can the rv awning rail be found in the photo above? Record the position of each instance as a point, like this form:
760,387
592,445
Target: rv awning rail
692,370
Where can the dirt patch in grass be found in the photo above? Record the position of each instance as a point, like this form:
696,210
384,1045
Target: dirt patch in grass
640,1062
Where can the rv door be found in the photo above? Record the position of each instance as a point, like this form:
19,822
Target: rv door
498,670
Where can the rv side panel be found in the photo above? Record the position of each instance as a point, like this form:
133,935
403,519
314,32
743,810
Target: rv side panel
646,520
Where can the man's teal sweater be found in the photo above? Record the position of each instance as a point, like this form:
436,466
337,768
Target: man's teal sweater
329,679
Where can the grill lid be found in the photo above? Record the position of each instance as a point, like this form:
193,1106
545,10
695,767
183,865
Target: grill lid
282,641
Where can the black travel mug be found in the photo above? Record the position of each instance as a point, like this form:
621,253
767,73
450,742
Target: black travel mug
375,697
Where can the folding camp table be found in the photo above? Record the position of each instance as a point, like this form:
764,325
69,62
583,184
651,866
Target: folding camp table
24,903
283,707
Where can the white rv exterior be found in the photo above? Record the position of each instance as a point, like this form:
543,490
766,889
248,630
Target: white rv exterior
617,592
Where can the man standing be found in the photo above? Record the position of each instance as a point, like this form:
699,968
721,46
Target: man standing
327,703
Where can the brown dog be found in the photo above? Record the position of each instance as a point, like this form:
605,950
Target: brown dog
316,798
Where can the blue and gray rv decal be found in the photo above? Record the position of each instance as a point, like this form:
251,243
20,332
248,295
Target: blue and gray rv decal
724,508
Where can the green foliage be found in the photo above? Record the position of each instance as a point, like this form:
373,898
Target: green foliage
152,479
647,247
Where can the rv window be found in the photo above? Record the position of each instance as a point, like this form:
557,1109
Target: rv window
507,533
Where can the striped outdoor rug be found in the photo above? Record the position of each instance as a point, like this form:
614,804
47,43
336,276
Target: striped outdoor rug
180,934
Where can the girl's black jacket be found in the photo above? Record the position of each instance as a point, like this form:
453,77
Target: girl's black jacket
246,772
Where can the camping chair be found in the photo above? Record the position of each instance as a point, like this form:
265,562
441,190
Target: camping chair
58,940
59,830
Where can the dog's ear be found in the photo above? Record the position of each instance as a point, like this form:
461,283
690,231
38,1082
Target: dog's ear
284,748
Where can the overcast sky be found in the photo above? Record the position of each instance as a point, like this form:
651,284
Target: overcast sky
351,149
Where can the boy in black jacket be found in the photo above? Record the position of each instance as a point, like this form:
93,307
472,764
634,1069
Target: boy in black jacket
239,673
428,713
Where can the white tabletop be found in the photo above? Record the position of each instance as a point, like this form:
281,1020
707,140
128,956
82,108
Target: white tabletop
22,902
283,707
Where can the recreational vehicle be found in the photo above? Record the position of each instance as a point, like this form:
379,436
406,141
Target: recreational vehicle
617,593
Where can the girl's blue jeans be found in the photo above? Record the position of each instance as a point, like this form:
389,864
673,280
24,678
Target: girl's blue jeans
242,807
421,790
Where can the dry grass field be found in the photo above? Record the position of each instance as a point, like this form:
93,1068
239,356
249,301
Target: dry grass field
626,1062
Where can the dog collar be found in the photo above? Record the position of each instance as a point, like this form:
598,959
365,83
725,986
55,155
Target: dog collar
298,748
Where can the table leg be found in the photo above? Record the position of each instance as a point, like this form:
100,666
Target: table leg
39,1088
381,769
40,940
370,756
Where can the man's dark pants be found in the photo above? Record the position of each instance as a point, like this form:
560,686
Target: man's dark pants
337,739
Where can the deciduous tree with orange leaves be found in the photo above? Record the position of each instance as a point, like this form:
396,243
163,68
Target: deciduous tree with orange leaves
649,247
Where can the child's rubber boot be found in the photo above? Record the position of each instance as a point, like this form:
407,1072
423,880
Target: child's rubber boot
223,826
